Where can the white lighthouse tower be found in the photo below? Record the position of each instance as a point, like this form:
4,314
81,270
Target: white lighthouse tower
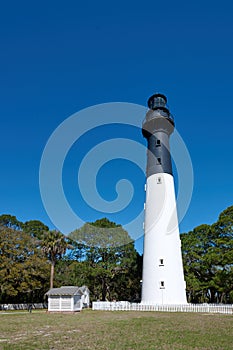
163,277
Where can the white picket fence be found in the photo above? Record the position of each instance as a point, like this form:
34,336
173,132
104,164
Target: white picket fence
127,306
6,307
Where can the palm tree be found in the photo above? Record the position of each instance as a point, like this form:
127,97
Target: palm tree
54,245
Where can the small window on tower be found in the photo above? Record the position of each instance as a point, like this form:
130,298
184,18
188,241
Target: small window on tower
161,262
162,286
159,180
158,143
158,160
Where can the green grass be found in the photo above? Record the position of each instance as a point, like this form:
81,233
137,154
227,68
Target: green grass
105,330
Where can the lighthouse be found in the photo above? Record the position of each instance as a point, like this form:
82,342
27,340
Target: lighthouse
163,276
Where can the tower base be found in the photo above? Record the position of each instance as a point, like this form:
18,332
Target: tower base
163,277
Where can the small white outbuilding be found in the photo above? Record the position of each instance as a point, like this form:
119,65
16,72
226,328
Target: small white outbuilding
68,298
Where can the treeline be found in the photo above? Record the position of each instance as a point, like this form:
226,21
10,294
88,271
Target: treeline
102,256
208,261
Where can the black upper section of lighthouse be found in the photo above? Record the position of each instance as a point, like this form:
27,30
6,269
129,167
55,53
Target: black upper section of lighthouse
157,127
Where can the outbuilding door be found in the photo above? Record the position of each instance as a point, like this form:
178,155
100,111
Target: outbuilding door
66,303
77,302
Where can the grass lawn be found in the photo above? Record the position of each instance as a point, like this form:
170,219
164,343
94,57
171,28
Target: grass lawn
106,330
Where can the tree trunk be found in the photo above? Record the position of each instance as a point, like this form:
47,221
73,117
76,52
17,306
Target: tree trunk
104,291
222,298
52,274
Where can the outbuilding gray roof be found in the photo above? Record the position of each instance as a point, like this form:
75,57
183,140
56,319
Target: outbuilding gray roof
68,290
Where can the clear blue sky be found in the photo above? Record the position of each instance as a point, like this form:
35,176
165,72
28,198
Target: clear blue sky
60,57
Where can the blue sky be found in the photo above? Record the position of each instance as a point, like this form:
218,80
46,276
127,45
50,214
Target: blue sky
60,57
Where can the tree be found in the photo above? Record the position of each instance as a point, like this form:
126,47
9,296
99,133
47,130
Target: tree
208,260
109,265
35,228
11,221
198,269
223,255
23,269
54,246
